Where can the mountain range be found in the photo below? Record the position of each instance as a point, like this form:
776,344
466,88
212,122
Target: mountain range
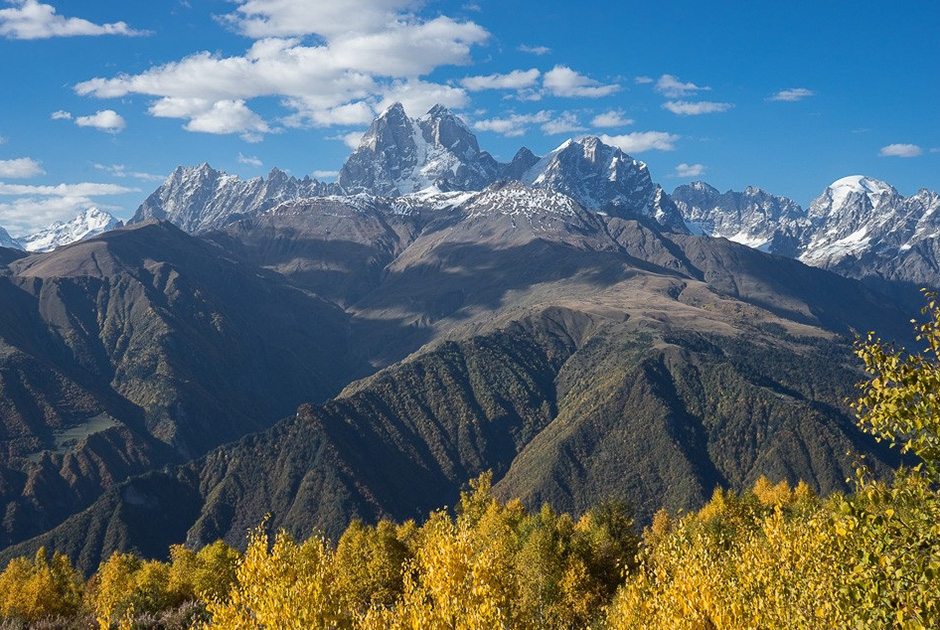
86,224
858,226
323,352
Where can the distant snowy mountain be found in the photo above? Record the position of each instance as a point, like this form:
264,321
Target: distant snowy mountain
854,214
602,177
8,241
753,217
91,222
858,226
400,155
200,198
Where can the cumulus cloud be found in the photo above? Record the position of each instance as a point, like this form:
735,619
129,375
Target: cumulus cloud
567,122
642,80
640,141
30,19
368,54
670,86
611,119
514,124
901,150
278,18
563,81
20,168
534,50
417,97
215,117
793,94
515,80
120,170
351,139
694,108
60,115
249,160
106,120
689,170
65,190
325,174
35,207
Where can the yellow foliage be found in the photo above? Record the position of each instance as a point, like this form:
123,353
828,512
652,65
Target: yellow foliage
44,587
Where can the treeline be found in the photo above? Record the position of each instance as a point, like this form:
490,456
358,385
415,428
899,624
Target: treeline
770,557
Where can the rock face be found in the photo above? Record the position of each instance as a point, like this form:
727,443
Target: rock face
400,155
415,160
200,198
91,222
602,177
858,226
753,217
8,241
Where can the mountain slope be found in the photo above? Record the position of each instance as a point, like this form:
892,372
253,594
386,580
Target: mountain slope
400,155
91,222
578,356
601,177
8,241
141,347
858,226
200,198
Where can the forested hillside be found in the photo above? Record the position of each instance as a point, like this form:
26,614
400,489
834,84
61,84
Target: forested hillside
771,557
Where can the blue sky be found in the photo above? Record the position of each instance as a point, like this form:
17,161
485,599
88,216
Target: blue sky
102,99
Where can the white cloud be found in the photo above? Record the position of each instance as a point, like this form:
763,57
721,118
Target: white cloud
515,80
278,18
689,170
37,206
20,168
325,174
351,139
120,170
901,150
358,113
60,115
106,120
566,123
417,97
514,124
563,81
30,19
65,190
640,141
368,54
611,119
534,50
793,94
694,108
219,117
249,160
671,87
641,80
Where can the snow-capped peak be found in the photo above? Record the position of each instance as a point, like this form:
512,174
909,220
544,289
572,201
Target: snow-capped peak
874,189
8,241
399,155
88,223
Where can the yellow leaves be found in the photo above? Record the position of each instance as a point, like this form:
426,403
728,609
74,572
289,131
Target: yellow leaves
40,588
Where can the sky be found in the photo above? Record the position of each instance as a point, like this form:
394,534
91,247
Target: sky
102,99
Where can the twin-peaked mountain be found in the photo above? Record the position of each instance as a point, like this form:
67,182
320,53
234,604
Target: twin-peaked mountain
858,226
